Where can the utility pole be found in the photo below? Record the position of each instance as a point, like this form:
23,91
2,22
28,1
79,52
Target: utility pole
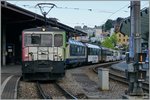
149,41
135,73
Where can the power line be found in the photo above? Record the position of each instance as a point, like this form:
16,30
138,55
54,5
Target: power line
122,8
88,9
59,7
116,11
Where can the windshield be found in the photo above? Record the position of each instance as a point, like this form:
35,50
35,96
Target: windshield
38,40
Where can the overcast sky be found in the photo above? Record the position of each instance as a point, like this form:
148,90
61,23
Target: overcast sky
79,13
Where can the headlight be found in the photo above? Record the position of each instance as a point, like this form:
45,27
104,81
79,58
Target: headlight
43,29
26,55
60,55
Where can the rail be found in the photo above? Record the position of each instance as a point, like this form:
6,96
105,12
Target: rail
115,76
43,95
66,93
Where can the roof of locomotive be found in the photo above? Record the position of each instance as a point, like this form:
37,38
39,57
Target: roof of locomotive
46,29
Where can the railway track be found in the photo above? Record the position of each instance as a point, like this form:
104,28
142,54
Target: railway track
42,93
9,87
123,79
96,65
53,91
115,75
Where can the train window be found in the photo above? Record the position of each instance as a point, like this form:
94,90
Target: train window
27,40
71,49
83,50
58,40
75,50
88,51
94,51
35,39
46,40
78,50
97,53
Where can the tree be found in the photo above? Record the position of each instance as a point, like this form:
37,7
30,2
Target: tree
107,43
113,38
110,42
108,24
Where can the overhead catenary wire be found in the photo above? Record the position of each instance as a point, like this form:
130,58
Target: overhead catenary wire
86,9
121,9
116,12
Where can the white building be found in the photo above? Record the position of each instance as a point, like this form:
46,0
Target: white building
111,31
97,31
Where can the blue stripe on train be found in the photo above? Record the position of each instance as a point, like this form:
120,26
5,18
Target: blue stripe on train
70,61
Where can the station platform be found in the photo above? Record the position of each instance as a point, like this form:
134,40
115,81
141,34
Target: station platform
122,66
11,69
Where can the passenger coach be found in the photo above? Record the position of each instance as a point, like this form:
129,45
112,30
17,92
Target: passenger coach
75,53
93,53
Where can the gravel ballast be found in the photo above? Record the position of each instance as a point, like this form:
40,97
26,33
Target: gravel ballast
82,82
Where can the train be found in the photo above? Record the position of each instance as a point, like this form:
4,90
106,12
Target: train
47,52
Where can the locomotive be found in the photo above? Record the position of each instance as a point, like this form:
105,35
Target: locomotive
43,50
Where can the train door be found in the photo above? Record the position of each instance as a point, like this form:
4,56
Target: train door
10,56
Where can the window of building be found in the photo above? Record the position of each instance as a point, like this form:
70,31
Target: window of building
119,35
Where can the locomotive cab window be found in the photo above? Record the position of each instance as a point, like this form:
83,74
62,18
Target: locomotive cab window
27,40
35,39
46,40
38,40
58,40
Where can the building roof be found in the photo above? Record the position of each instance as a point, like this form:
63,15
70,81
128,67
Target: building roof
125,25
15,14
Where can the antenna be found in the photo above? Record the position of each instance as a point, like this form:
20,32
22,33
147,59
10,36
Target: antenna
45,5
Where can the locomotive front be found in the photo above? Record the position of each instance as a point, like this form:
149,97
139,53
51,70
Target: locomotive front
43,53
